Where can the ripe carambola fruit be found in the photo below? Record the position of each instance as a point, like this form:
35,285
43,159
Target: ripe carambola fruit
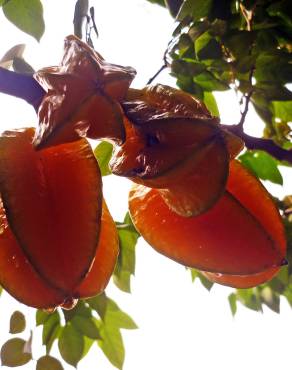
246,191
175,145
20,279
231,238
82,99
53,204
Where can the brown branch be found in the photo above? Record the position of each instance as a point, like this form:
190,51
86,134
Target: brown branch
256,143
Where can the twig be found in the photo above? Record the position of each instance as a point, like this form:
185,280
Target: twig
164,66
267,145
22,86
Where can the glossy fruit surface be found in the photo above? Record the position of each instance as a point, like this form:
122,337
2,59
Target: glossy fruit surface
82,97
228,239
18,276
268,215
52,200
105,258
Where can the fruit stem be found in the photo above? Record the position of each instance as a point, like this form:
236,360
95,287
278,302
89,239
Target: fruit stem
22,86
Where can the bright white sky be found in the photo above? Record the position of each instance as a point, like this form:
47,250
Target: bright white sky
181,325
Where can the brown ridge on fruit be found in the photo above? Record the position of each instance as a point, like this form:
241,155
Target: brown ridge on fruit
105,259
228,239
82,93
52,200
268,215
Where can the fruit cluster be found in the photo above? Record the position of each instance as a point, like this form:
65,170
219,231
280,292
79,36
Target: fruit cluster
192,201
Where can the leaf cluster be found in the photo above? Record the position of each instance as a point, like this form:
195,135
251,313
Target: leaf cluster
245,46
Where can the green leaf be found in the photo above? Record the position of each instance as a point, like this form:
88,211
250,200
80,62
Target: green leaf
81,309
209,82
249,298
232,303
103,153
17,322
71,345
12,353
125,267
99,304
112,345
48,363
51,330
88,326
262,165
118,318
283,110
205,282
41,317
211,103
194,274
27,15
196,8
270,299
207,47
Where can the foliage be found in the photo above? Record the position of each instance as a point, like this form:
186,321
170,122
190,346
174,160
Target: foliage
244,46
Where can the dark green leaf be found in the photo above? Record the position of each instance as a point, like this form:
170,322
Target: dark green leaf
12,353
239,42
71,345
88,326
51,330
275,67
281,9
232,303
48,363
17,322
207,47
81,309
283,110
103,153
27,15
112,345
262,165
196,8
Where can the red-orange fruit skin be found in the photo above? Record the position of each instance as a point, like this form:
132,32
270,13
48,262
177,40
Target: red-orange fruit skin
227,239
17,275
53,202
267,213
105,259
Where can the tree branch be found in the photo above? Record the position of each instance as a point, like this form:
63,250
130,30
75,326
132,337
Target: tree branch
22,86
267,145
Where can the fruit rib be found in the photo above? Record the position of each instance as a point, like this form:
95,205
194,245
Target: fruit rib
266,212
52,200
227,239
105,259
17,275
199,188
